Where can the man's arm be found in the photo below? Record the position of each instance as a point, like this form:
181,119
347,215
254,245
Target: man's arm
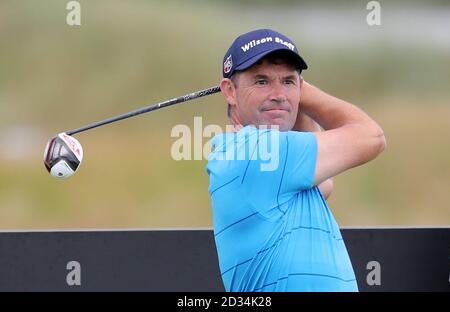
306,124
351,138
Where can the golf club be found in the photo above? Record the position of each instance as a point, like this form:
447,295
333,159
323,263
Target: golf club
63,153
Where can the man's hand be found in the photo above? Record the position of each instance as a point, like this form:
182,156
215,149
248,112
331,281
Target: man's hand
351,138
306,124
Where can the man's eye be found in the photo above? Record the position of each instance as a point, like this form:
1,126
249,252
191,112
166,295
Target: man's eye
261,82
289,82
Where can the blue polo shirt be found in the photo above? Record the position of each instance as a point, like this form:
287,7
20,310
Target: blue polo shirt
273,228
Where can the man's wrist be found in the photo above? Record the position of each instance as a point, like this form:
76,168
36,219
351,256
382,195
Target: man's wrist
305,123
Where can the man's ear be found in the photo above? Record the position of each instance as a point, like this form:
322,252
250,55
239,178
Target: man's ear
229,91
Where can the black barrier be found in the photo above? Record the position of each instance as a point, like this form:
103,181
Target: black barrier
185,260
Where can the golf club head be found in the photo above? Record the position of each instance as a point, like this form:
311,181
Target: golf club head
62,156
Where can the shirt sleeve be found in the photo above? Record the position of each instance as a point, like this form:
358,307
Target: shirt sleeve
300,160
282,164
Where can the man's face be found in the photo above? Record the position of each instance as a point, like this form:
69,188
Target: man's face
268,94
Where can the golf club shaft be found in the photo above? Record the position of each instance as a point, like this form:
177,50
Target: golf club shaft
149,108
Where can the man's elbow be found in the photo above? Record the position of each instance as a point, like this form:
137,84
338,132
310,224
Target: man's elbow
375,143
380,142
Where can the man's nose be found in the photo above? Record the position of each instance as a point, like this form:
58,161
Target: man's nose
277,93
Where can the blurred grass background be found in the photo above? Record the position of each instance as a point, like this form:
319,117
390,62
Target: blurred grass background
128,54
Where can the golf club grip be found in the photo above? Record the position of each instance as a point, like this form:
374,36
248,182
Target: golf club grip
180,99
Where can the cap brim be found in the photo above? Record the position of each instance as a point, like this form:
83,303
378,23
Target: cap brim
301,64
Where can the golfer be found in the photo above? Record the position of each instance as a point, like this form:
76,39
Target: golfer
269,177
